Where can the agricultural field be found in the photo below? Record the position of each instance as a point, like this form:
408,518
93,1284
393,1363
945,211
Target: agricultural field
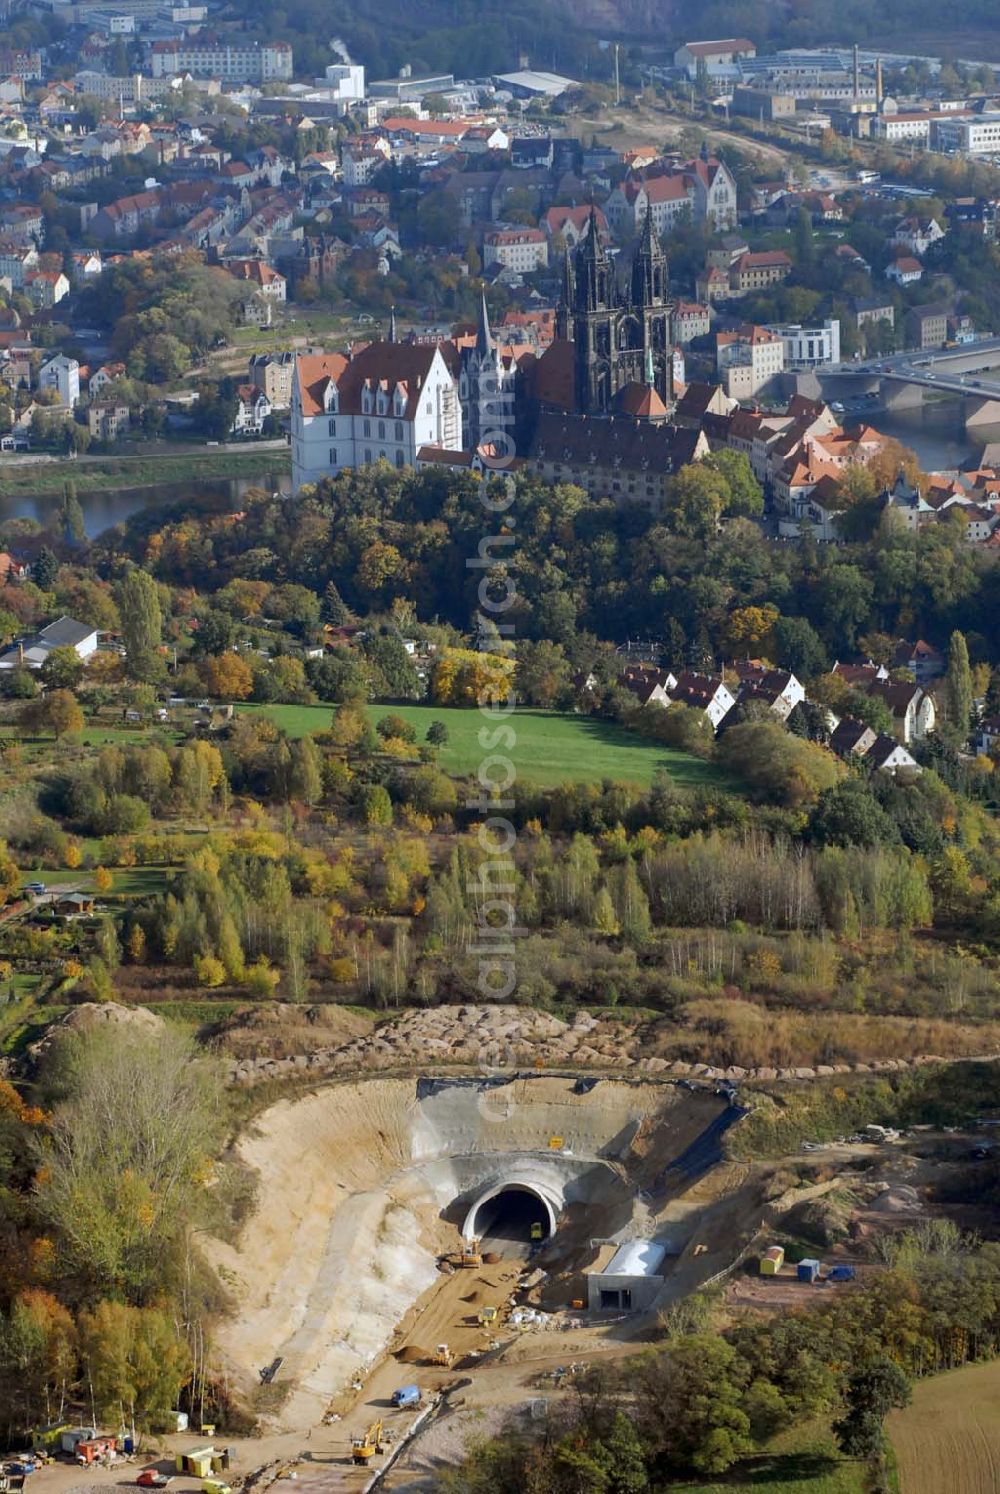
949,1437
551,748
803,1460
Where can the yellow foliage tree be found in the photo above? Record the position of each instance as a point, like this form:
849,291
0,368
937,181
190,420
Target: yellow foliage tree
465,677
227,677
749,629
209,971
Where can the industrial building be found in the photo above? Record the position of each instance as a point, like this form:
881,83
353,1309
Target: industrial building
528,84
970,135
762,103
631,1279
408,90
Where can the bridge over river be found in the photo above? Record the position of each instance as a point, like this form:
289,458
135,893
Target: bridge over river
903,380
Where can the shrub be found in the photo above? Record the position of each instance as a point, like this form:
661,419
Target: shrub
210,971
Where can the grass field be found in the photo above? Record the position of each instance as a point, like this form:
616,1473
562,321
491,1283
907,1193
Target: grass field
129,881
550,748
803,1460
948,1439
138,471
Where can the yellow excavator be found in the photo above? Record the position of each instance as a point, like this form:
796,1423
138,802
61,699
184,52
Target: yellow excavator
364,1448
469,1258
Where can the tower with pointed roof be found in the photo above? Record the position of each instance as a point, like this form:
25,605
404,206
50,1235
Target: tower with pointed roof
620,337
484,384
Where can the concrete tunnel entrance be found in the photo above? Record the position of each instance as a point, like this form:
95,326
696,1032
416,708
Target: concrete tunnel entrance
504,1217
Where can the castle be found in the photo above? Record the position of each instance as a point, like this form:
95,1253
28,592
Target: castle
612,362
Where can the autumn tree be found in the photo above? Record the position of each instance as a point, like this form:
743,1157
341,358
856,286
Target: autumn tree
226,676
376,806
750,630
397,727
134,1359
10,876
544,675
57,711
37,1360
958,685
778,766
138,601
745,498
696,497
305,775
62,669
125,1152
605,919
872,1392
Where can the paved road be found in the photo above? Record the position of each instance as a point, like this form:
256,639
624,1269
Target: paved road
957,370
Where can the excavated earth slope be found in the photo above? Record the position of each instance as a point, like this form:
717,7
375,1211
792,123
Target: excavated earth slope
362,1185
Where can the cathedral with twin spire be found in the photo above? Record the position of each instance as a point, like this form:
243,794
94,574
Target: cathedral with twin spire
620,332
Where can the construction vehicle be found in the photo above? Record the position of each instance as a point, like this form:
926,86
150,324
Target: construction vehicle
487,1315
536,1230
364,1448
442,1356
470,1257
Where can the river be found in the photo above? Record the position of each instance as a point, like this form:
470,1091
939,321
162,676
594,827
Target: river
103,510
936,432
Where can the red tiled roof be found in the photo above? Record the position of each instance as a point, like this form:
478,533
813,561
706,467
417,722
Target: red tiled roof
640,401
385,364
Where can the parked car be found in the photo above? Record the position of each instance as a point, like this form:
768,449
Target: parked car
152,1478
37,889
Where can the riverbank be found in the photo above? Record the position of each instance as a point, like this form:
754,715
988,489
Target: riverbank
145,469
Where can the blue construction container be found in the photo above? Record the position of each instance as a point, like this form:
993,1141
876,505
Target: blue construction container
808,1270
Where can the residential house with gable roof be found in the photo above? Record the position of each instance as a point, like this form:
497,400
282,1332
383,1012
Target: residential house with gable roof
911,708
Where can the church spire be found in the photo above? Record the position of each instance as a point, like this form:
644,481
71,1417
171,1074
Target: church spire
593,282
594,247
647,231
392,325
484,337
649,267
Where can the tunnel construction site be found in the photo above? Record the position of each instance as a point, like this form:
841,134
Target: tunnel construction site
612,1195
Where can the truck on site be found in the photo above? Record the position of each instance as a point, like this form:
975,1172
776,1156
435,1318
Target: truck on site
470,1257
442,1356
406,1395
487,1315
536,1230
365,1446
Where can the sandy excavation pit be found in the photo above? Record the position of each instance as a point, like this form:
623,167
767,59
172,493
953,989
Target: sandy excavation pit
362,1186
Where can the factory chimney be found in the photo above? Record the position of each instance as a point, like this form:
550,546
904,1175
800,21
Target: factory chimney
857,71
878,85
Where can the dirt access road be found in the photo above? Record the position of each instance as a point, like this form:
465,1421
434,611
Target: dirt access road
624,129
317,1459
